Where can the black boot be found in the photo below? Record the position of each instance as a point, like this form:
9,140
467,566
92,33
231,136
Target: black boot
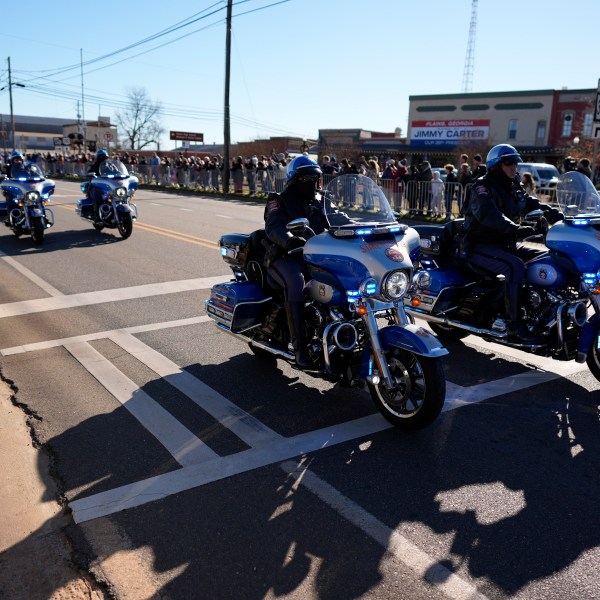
294,312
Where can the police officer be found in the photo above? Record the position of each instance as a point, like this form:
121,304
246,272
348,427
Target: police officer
295,202
497,201
95,193
15,158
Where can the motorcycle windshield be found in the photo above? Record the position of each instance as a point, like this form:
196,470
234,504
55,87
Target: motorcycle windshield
113,169
577,196
356,200
26,171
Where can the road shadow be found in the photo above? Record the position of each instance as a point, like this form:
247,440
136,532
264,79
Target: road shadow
504,492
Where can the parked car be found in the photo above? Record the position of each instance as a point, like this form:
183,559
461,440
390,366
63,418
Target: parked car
544,175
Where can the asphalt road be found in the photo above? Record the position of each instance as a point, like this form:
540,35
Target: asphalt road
193,470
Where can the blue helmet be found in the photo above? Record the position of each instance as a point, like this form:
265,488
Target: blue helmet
16,154
300,166
102,152
501,152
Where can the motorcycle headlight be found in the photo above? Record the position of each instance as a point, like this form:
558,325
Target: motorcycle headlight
395,285
121,193
32,197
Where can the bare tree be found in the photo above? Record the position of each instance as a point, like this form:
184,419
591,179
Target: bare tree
139,122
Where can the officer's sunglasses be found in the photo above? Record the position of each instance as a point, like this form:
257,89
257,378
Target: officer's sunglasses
307,178
510,163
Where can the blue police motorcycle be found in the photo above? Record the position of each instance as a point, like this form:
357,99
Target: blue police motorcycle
560,297
26,193
356,328
108,202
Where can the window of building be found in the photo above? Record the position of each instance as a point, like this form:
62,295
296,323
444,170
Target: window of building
512,129
540,131
567,124
588,121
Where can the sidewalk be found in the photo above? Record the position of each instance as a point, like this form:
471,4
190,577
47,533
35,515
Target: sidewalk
35,556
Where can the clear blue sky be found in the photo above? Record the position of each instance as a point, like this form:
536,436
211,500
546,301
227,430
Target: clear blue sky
297,66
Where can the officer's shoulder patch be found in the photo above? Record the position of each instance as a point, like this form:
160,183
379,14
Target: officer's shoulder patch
481,190
273,203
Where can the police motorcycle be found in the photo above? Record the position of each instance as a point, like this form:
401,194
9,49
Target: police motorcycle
356,328
26,192
560,297
108,202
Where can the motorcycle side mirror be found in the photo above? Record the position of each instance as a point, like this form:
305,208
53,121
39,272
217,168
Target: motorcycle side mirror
297,226
535,214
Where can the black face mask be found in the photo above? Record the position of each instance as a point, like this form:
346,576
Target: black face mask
305,191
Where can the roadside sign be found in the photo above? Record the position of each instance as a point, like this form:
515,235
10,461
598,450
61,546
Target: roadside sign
186,136
596,131
597,107
108,136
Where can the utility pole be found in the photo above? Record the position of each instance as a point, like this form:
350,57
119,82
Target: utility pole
226,133
12,116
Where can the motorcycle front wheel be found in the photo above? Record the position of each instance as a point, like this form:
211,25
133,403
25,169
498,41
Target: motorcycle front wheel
37,231
419,392
125,225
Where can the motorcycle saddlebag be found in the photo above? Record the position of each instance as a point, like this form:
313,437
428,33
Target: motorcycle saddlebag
238,305
85,207
235,248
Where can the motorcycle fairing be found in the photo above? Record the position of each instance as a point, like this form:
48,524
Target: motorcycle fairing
585,252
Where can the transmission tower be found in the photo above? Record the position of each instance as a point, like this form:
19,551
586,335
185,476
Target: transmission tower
467,83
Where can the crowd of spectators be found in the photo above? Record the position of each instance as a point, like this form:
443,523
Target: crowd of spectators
413,188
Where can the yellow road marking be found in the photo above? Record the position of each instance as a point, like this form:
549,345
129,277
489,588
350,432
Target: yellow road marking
176,235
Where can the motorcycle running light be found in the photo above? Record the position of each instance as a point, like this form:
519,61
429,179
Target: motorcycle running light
422,280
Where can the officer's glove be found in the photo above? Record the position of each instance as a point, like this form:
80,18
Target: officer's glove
294,243
554,215
524,231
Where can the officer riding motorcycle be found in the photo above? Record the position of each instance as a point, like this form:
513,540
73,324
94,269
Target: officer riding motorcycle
492,229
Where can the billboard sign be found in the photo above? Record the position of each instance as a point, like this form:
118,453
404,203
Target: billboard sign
449,132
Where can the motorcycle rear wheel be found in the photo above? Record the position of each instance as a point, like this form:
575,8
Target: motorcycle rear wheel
37,231
125,225
448,332
420,391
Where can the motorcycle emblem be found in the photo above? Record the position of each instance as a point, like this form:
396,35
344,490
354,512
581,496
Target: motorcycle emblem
543,274
322,290
393,253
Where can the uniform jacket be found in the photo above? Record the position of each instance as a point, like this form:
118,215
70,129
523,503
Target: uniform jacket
494,208
285,207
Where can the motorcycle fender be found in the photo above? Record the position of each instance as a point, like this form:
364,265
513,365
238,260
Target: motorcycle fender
35,212
412,338
123,208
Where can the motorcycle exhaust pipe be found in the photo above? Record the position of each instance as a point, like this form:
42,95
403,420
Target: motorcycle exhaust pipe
281,353
577,313
16,217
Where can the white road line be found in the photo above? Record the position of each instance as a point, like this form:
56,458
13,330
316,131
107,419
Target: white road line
400,547
185,447
52,291
245,426
25,307
161,486
224,216
102,334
